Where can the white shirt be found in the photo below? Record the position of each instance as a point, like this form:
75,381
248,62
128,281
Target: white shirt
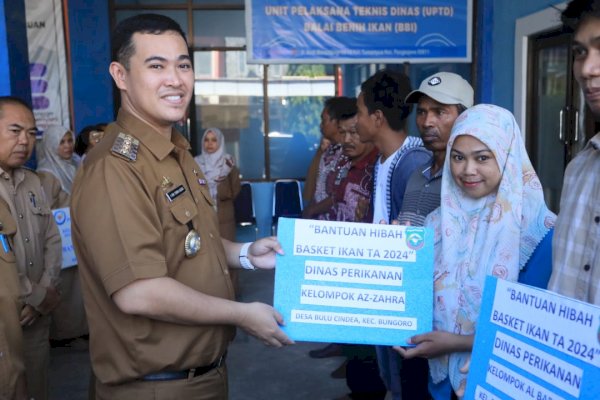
380,206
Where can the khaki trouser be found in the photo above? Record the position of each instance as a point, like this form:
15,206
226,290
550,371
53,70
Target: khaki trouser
210,386
36,351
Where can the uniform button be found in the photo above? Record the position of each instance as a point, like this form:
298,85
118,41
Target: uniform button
597,219
21,216
26,240
187,213
586,267
211,235
31,263
196,200
226,272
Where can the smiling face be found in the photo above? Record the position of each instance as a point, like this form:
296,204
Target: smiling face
158,85
474,167
586,61
211,143
17,136
65,147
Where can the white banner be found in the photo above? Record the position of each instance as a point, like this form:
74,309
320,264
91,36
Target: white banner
47,62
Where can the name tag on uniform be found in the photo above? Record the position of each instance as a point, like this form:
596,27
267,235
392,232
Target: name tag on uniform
173,194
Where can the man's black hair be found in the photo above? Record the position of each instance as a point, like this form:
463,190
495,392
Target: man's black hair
577,11
349,111
337,107
13,100
386,91
122,37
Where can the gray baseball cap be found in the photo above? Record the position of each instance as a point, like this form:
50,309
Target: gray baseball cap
444,87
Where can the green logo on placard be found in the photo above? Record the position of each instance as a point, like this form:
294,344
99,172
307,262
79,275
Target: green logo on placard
415,238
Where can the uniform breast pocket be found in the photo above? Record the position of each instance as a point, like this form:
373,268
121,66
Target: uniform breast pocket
183,210
39,210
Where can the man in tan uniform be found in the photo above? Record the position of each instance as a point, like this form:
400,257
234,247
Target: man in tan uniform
37,243
12,367
154,269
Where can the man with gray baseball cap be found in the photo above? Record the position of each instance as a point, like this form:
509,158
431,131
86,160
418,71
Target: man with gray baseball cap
445,88
440,100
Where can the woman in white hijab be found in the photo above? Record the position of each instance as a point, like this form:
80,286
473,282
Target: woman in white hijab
492,220
55,155
56,164
223,178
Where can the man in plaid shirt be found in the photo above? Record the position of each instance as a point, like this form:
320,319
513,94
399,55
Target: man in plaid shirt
576,245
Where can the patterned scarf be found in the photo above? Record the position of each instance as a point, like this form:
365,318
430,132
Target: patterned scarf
494,235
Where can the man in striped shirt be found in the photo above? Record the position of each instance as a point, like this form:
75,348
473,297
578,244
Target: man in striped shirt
440,100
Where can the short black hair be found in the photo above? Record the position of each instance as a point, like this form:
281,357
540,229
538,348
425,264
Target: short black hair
577,11
122,36
340,106
4,100
349,111
386,91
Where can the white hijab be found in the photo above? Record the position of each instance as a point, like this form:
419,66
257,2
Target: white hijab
215,166
49,160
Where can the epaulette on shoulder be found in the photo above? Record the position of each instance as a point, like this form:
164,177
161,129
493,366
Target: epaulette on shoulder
126,146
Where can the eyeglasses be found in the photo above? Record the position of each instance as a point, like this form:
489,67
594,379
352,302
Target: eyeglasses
96,136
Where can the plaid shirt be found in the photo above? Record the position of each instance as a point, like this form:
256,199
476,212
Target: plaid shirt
576,244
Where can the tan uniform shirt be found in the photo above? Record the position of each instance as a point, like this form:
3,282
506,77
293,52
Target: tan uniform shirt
11,338
38,246
57,197
125,227
227,191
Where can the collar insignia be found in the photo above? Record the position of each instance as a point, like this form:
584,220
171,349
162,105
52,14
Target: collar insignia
126,146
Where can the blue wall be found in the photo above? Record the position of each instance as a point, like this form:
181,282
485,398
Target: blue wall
89,36
89,26
498,49
14,57
4,65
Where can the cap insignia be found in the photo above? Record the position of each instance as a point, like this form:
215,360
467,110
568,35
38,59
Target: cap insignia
434,81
